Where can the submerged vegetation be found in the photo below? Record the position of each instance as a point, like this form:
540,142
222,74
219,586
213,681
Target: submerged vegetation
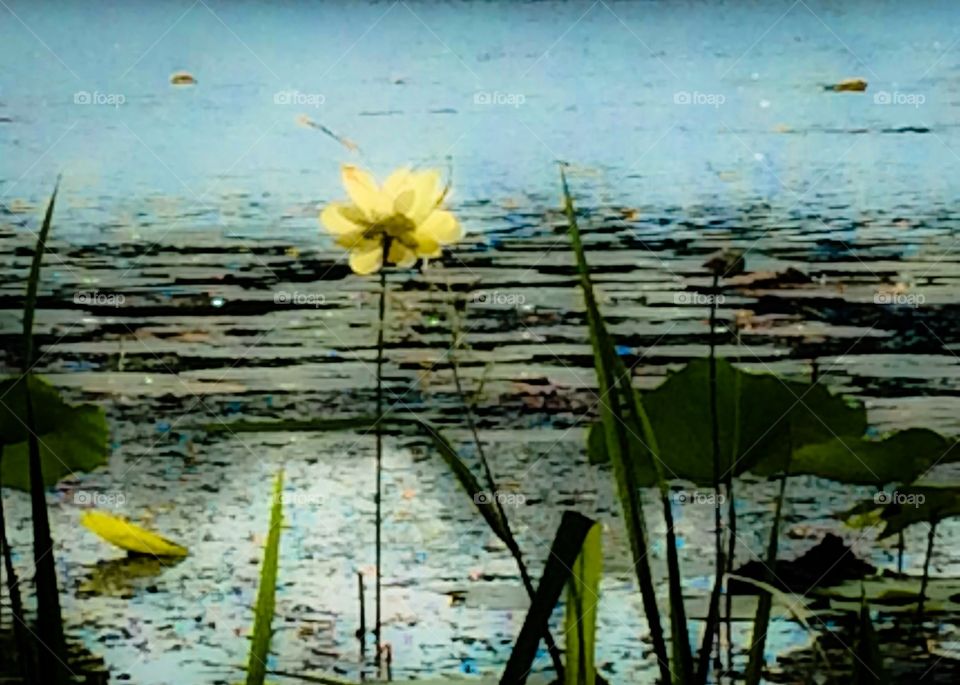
708,425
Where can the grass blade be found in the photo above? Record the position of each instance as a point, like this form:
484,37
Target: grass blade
867,660
566,547
583,592
625,421
266,595
49,617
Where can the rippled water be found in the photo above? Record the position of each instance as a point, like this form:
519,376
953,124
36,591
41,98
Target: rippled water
198,205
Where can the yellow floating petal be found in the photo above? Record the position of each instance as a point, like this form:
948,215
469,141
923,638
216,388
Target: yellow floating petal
366,195
442,227
125,535
367,261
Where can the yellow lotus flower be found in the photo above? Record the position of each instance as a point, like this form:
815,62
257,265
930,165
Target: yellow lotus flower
402,217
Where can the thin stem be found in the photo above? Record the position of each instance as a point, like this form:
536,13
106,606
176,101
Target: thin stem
926,570
901,545
25,656
378,624
715,434
511,542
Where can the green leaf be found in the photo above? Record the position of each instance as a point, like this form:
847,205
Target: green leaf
759,416
583,593
919,505
624,422
266,596
71,438
567,545
898,458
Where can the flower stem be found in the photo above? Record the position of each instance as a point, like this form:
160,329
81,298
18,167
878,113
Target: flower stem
379,478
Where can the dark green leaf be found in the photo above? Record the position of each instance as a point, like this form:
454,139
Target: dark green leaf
566,547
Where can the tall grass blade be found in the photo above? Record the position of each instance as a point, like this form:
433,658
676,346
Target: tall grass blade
49,617
583,593
867,660
24,648
625,421
266,595
566,547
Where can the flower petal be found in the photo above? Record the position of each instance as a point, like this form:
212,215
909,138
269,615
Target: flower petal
336,217
366,261
363,190
401,255
399,181
441,226
427,194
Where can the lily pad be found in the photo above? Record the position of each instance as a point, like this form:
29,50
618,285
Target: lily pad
760,416
899,458
919,505
72,438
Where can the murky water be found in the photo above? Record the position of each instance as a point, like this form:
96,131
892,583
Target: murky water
198,206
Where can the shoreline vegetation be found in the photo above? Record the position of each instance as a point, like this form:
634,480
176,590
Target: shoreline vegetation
706,431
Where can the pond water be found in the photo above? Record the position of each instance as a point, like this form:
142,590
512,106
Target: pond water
198,207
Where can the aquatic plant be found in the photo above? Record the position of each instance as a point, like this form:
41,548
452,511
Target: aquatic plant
396,223
43,439
575,545
266,595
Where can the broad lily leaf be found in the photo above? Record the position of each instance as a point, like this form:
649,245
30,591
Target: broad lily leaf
129,536
760,415
919,505
72,438
899,458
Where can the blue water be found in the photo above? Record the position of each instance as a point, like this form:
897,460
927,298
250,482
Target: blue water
593,84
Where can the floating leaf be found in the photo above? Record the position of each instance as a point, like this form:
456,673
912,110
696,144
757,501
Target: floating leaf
758,422
129,536
583,595
919,505
899,458
71,438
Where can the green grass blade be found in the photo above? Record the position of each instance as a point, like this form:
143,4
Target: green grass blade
583,592
266,595
566,547
619,404
51,645
867,660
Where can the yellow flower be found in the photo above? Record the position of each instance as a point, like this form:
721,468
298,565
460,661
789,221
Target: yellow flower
404,214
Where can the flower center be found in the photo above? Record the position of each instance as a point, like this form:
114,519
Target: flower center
395,227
